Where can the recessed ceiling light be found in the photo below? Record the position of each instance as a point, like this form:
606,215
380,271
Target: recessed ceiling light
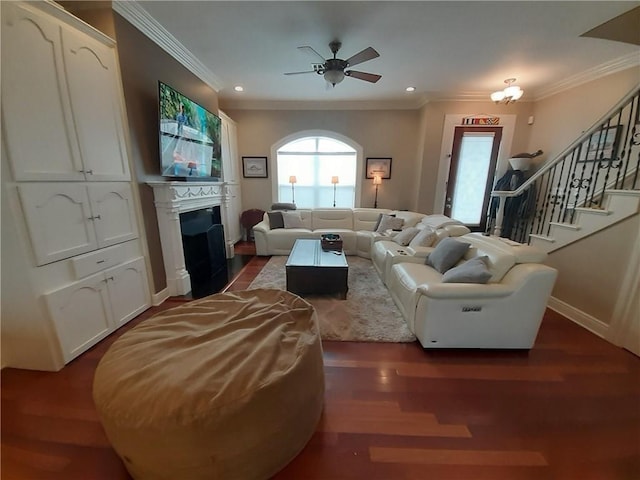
410,89
239,88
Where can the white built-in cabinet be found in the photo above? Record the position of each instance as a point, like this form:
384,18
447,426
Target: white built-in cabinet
86,311
231,177
63,118
72,211
66,219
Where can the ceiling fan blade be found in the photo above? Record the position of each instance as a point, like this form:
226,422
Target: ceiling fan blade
311,51
368,53
367,77
299,73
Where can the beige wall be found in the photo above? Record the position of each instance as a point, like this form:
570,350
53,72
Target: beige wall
392,133
143,64
411,137
432,119
591,270
562,118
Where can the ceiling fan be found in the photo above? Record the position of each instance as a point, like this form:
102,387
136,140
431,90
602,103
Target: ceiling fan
333,69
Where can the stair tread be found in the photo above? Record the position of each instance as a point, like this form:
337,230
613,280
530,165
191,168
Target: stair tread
632,193
596,211
570,226
542,237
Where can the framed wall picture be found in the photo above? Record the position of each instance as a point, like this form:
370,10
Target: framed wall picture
378,166
254,167
602,145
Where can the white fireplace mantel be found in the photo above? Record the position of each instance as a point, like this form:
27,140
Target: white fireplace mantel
171,199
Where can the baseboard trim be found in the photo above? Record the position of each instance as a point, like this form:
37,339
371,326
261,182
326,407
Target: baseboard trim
161,296
583,319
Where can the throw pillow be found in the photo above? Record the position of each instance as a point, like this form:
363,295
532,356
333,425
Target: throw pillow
446,254
405,236
471,271
283,206
425,238
292,220
375,228
389,223
275,220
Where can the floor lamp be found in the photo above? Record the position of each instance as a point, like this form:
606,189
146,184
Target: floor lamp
292,181
334,181
377,181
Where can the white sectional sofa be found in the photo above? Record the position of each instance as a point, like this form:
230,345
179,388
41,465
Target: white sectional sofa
506,312
354,225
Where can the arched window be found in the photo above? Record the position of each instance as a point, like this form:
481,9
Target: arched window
317,163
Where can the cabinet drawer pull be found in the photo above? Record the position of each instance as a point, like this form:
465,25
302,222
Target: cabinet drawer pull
97,217
100,261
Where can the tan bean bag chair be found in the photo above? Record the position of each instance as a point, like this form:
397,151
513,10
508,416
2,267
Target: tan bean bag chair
227,387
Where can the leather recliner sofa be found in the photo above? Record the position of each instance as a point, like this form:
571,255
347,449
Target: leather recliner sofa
504,313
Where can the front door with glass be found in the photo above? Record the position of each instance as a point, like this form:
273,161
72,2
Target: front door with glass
471,171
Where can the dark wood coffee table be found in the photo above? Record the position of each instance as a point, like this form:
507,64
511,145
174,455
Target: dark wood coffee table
310,269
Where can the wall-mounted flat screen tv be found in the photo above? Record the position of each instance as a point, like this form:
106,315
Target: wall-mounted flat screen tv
189,137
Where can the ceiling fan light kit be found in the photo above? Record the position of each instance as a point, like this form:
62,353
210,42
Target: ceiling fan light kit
509,95
334,69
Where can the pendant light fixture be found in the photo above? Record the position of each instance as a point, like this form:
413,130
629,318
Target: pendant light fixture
509,95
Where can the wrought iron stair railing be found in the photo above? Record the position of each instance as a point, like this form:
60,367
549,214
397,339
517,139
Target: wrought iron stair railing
606,157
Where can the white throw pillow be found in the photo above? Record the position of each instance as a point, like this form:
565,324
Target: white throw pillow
292,219
425,238
405,236
389,223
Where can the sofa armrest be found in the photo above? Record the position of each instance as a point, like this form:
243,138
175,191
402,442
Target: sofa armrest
465,291
393,259
375,237
420,252
524,273
261,236
261,227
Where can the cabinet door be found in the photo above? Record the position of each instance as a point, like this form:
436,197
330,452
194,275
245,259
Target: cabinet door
225,151
81,315
233,232
59,220
97,106
113,212
233,152
36,115
128,290
229,149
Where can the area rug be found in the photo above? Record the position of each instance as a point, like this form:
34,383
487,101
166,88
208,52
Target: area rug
367,315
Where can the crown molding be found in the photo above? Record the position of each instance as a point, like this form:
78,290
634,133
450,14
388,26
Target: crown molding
619,64
226,104
133,12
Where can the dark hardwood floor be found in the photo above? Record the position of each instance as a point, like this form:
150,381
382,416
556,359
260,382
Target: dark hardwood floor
568,409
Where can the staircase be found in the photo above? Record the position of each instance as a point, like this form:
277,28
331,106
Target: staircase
590,186
617,205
